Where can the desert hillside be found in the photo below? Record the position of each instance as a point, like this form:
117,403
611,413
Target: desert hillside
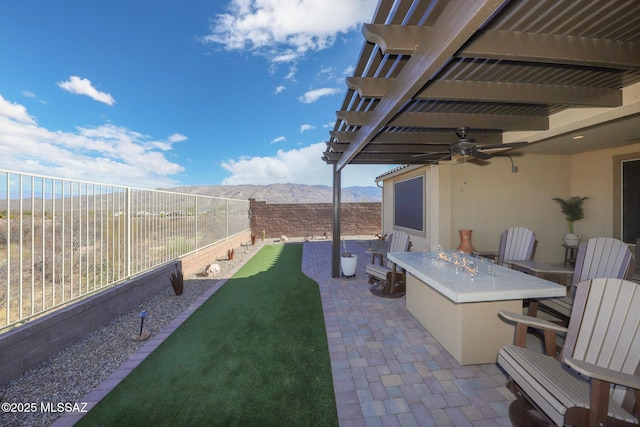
285,193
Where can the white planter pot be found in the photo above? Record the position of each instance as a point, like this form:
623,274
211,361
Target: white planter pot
572,240
348,265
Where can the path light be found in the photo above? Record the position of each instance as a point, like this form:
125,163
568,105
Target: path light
142,315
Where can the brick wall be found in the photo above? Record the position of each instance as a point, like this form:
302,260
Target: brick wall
313,219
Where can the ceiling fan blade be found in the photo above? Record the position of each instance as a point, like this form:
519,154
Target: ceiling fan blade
478,154
516,144
506,145
466,146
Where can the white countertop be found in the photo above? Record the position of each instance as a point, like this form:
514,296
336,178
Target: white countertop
460,286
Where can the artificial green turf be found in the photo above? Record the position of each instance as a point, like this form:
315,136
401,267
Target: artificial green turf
254,354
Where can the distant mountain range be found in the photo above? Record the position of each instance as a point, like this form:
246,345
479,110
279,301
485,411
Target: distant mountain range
284,193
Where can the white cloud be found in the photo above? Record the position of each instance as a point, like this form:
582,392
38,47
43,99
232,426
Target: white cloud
315,94
108,153
15,112
79,86
278,139
292,73
280,89
28,94
305,127
287,56
348,71
362,175
177,137
300,166
286,29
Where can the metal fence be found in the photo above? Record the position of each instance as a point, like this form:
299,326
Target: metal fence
61,240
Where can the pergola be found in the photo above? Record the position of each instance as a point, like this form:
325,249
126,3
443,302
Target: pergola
501,68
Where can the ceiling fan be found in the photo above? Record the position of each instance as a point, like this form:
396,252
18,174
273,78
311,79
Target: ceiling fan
468,147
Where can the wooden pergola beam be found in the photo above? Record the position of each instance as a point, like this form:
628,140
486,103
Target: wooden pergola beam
458,22
449,120
440,136
484,91
513,45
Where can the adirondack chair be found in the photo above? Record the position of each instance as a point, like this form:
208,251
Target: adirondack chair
390,277
601,349
603,257
637,267
516,244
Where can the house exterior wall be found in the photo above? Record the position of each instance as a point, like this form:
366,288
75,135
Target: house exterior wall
490,198
592,175
313,219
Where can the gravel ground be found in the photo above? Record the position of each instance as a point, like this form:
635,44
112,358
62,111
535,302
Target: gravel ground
69,375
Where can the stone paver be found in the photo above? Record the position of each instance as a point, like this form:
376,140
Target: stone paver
383,357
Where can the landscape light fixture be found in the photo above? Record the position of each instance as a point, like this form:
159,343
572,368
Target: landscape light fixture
142,315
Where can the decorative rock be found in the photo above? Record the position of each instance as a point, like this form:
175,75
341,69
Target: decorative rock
72,373
144,336
212,269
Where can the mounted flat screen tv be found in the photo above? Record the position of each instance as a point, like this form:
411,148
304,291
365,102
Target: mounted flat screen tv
408,208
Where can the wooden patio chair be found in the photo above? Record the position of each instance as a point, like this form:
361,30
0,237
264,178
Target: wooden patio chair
390,277
516,244
637,257
600,257
595,381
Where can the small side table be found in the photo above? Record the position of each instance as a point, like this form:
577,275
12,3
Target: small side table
492,255
543,271
570,253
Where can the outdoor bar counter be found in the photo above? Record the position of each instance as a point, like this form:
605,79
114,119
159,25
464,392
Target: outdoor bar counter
457,298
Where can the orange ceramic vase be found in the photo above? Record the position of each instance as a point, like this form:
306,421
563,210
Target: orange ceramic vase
465,242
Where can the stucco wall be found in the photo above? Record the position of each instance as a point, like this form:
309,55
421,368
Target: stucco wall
592,175
490,198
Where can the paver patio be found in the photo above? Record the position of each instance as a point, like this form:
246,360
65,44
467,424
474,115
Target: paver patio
387,369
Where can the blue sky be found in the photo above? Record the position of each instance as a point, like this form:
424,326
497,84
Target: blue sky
161,93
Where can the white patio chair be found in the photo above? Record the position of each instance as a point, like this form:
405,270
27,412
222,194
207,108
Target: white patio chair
600,257
637,257
595,381
516,244
390,276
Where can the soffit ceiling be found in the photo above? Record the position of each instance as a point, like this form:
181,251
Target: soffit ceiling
498,67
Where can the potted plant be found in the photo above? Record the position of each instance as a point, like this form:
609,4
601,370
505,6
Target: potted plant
348,261
573,211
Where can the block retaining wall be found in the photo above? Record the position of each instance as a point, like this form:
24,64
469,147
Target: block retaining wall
314,219
25,346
